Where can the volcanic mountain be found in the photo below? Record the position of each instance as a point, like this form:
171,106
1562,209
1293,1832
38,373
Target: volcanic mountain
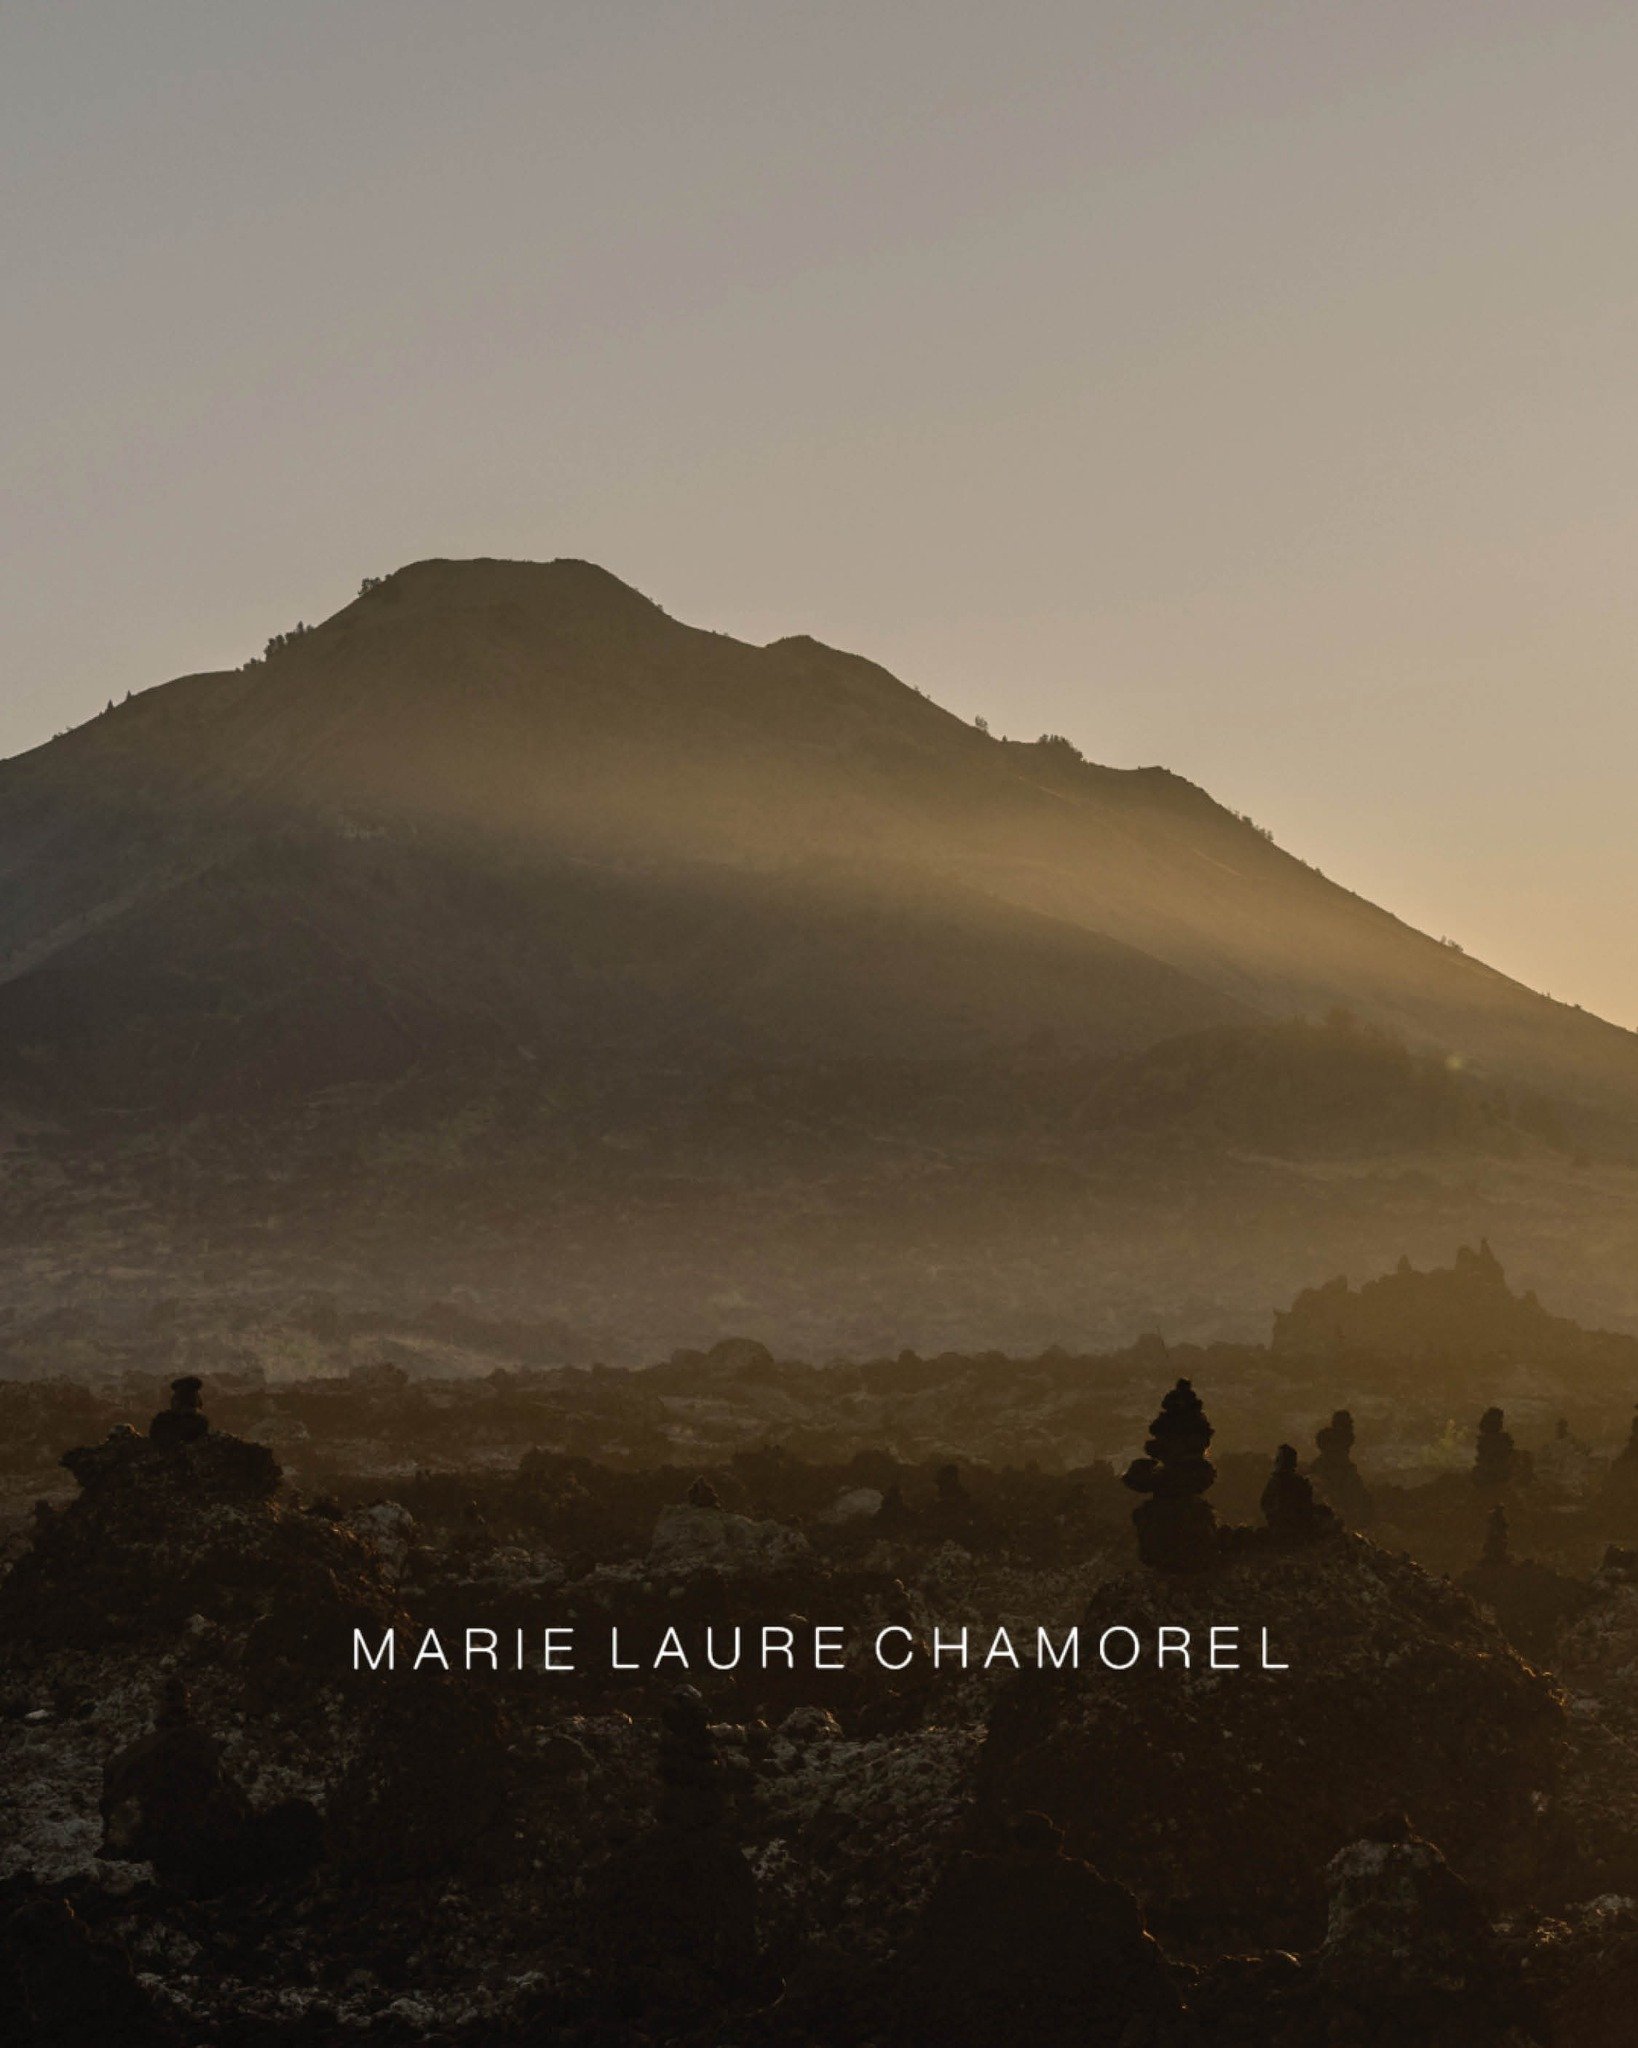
501,848
508,804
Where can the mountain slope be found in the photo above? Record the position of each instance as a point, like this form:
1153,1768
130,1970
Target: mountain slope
507,803
503,942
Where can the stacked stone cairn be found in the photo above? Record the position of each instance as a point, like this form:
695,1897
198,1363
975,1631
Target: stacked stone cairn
1620,1491
1496,1461
1293,1515
183,1422
679,1919
1335,1475
1176,1526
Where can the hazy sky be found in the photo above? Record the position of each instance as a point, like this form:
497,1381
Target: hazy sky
1251,388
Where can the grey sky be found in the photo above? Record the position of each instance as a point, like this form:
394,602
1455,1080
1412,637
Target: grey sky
1243,387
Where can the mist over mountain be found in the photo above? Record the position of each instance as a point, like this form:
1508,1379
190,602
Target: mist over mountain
502,910
508,802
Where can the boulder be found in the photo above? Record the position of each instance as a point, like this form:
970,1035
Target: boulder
690,1539
1409,1954
1021,1942
855,1504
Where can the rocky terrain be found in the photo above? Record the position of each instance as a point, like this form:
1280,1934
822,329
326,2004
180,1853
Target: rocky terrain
1417,1353
1394,1810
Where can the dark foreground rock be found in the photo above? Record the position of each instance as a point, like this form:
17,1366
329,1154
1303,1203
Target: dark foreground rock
1409,1955
193,1525
1022,1942
62,1987
1221,1796
214,1831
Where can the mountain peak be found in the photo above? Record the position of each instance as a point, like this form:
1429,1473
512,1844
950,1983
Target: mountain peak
567,590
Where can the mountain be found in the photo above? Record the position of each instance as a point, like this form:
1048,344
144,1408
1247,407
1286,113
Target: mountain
516,802
502,870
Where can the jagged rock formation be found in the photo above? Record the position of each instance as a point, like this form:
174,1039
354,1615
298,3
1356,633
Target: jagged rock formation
1021,1942
190,1524
1176,1528
1464,1313
1336,1477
